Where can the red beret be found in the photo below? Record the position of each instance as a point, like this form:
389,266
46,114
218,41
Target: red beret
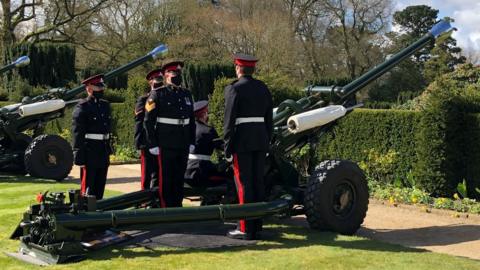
244,60
154,74
172,66
95,79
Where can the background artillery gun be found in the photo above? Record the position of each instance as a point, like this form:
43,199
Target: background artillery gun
334,197
42,155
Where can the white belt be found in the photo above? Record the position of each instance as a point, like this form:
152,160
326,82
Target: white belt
199,157
99,137
242,120
173,121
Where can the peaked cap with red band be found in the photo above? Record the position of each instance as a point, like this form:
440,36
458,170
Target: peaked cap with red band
172,66
244,60
156,73
95,80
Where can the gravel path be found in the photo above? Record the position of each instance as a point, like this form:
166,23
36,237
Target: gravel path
438,231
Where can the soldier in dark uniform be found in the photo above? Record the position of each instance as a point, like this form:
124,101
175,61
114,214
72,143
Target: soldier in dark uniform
170,129
91,137
149,163
247,132
200,169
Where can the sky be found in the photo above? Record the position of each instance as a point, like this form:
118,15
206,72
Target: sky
466,14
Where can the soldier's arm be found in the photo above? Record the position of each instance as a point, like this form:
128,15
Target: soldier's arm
139,117
192,121
151,111
229,118
269,116
79,127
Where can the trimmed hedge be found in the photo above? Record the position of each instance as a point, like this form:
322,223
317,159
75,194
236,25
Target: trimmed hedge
366,130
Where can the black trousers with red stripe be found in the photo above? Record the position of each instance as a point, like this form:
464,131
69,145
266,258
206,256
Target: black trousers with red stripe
248,168
93,180
172,164
149,166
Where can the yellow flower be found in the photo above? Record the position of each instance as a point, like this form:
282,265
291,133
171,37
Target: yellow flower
455,196
391,200
414,199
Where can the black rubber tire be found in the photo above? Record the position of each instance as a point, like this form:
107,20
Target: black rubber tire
50,157
336,198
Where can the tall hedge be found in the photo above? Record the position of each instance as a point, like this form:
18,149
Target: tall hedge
366,130
51,64
200,77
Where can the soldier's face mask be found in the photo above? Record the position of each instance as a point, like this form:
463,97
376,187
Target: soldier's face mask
98,94
177,80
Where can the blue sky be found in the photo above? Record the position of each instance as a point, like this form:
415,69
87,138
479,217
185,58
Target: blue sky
466,14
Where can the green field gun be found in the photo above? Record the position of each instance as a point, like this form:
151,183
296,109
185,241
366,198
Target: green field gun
333,197
42,155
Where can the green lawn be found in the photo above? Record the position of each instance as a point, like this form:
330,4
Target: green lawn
288,247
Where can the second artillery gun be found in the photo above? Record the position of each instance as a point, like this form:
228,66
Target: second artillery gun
334,197
42,155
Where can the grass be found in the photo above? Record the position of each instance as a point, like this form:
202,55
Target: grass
286,247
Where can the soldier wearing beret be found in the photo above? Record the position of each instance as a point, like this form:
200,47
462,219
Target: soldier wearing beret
247,131
170,132
91,137
149,163
200,169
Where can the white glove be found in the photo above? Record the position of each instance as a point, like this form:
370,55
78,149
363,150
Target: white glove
229,158
192,148
154,151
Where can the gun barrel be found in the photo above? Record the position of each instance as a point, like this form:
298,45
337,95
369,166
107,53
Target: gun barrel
160,50
439,30
121,218
20,62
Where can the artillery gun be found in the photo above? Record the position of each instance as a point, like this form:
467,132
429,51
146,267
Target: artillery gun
334,197
20,62
42,155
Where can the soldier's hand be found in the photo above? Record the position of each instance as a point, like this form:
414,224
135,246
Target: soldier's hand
154,151
191,148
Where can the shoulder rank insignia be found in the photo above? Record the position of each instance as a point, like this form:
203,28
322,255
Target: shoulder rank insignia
150,105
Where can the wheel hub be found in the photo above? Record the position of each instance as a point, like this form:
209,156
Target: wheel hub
343,199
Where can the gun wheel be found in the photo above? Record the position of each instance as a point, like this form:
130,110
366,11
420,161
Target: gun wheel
336,198
49,156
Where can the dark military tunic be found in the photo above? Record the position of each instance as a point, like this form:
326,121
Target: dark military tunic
149,164
92,116
201,171
247,131
170,104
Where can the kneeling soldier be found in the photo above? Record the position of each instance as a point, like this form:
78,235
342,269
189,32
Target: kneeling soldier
170,130
200,169
91,137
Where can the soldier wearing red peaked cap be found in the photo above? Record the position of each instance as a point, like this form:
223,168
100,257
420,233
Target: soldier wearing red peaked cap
170,132
91,137
247,132
148,162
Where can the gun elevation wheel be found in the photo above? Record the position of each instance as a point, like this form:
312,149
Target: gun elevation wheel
49,156
336,198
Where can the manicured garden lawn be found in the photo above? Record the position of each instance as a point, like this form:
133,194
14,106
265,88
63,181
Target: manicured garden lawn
287,247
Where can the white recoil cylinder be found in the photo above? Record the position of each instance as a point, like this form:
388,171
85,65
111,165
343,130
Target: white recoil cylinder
41,107
315,118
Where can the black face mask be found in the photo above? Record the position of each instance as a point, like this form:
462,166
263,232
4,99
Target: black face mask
177,80
97,94
157,85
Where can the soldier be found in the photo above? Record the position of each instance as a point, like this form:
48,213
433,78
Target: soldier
149,163
91,137
200,169
247,132
170,129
